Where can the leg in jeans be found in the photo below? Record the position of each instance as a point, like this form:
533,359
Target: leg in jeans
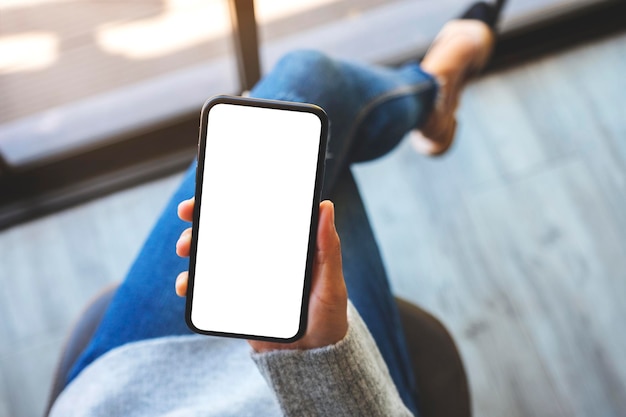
370,109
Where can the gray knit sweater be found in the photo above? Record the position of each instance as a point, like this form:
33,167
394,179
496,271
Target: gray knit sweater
204,376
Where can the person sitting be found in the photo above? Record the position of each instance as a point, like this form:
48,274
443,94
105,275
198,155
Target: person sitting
352,360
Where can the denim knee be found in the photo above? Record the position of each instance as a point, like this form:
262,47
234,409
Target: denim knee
305,61
301,75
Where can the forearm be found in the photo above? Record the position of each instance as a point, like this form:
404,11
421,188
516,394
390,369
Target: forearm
349,378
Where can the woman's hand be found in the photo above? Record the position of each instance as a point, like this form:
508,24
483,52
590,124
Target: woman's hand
327,320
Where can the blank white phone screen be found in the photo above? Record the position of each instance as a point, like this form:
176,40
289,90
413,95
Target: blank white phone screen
255,215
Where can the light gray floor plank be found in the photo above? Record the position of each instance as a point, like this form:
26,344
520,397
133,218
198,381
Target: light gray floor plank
551,236
4,396
26,369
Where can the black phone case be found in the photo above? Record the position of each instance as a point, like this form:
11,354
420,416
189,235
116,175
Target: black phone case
319,179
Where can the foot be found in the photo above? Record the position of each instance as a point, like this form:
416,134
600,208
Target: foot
461,49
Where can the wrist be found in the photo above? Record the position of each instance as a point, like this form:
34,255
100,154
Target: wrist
311,340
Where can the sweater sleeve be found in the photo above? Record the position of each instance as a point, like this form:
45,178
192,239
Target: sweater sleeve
349,378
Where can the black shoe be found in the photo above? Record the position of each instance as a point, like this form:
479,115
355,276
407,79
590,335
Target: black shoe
486,12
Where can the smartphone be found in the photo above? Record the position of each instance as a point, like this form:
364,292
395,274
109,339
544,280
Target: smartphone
258,185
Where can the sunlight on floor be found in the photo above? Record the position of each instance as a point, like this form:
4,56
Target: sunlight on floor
186,23
181,25
30,51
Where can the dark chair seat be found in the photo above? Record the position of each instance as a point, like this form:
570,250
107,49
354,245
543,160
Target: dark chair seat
78,339
437,365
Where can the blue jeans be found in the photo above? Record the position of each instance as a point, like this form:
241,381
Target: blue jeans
370,109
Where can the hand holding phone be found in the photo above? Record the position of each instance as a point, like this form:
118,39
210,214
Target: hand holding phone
258,185
327,315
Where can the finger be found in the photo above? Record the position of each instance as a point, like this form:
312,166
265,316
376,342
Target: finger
183,244
181,283
185,209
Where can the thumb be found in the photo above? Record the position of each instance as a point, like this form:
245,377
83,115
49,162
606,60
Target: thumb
328,249
328,287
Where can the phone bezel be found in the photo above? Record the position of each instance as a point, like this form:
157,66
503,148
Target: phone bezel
319,179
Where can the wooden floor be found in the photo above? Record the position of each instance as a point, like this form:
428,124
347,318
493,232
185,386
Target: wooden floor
516,240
